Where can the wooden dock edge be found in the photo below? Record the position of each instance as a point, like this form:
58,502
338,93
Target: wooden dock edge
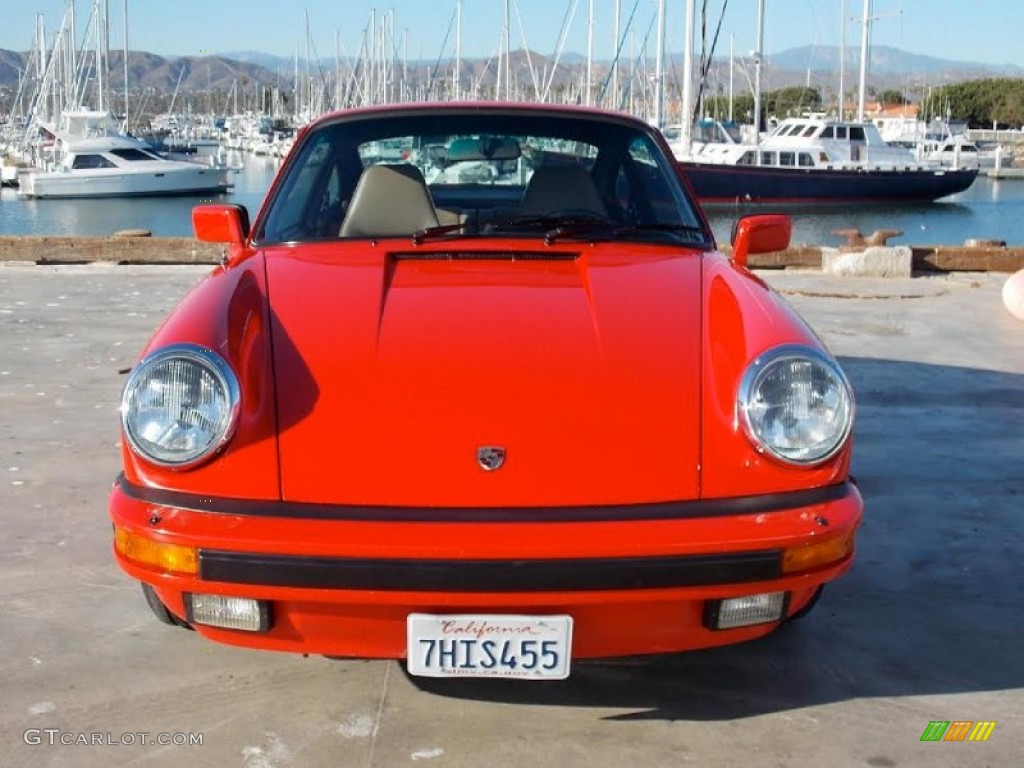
55,249
185,250
925,258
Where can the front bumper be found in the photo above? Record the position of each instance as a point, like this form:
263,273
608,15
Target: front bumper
342,581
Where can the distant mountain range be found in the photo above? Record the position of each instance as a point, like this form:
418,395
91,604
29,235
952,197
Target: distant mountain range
885,61
817,65
147,70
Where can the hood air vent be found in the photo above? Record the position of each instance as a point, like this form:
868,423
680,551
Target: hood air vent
485,256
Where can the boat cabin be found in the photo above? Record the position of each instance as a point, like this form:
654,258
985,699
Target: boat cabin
815,143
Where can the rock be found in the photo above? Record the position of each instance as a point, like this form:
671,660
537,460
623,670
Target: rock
877,261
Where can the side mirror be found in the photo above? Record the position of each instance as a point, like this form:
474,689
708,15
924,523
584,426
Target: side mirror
221,223
760,234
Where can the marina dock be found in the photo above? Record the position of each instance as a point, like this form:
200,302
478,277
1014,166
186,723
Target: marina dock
135,249
1004,173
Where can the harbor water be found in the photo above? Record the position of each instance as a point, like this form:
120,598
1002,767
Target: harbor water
989,210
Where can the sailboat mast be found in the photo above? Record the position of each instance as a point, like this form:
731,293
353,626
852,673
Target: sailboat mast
508,50
615,61
73,52
590,56
99,55
865,32
659,69
308,90
686,129
456,73
732,74
126,65
759,55
842,57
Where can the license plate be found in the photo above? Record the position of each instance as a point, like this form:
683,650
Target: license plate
479,645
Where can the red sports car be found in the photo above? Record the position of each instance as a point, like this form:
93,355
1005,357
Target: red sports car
476,390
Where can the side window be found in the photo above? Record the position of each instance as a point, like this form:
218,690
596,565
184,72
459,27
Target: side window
327,219
856,133
787,158
827,132
303,194
655,197
805,160
624,198
92,161
650,193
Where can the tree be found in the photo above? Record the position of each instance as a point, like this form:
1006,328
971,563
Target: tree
893,96
792,102
979,102
785,102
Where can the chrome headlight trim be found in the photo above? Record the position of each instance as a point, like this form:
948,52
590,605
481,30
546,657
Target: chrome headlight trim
760,368
220,372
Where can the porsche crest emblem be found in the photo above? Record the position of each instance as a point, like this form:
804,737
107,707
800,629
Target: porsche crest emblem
490,457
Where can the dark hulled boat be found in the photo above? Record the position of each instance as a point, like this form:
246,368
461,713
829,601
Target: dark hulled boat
818,161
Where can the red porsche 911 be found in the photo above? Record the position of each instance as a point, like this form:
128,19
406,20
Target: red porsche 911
477,391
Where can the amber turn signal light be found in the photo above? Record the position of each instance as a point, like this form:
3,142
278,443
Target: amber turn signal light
819,553
173,558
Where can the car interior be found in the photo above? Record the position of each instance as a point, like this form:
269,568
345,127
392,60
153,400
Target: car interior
345,185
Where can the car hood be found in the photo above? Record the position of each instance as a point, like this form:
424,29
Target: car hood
398,367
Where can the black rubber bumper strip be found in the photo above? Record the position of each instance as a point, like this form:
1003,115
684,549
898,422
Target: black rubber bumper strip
669,510
488,575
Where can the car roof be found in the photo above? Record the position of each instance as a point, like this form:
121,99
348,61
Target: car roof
455,108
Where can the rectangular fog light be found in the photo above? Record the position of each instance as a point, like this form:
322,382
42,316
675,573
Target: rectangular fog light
745,611
228,612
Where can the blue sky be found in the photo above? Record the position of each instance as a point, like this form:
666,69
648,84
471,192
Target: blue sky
984,31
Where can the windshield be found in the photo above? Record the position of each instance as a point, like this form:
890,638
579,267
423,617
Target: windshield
479,174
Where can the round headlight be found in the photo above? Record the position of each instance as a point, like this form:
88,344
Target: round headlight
180,405
796,404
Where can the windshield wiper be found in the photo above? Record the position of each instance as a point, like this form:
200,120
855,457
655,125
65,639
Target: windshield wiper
420,235
615,231
689,229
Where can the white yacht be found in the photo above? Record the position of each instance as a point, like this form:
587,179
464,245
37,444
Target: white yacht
814,142
90,160
957,151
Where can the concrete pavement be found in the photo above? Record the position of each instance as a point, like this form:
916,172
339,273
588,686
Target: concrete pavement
928,625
